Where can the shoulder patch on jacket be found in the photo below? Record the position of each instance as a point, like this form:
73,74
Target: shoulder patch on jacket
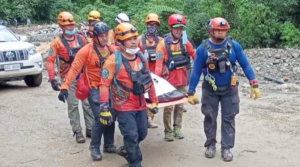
158,55
104,73
50,51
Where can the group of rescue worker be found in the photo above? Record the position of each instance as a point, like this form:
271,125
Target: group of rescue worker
109,71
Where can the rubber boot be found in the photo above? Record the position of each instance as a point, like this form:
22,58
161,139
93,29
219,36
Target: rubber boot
226,154
109,148
96,153
210,151
79,137
122,152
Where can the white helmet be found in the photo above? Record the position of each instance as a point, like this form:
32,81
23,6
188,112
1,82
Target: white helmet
122,17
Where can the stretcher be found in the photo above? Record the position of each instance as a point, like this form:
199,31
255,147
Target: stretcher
166,93
162,105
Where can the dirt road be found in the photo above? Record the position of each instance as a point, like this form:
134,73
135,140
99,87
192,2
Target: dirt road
35,132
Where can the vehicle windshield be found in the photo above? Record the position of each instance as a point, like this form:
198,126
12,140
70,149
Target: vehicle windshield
7,36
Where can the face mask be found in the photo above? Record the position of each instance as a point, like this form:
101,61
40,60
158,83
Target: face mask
67,32
151,30
132,51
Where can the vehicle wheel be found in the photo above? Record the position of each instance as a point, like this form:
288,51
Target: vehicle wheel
34,80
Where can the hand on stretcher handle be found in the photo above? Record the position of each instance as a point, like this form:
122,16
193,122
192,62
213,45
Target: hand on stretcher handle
171,103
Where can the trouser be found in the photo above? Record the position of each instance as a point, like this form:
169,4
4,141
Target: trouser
229,99
189,71
99,129
178,112
134,128
150,115
73,110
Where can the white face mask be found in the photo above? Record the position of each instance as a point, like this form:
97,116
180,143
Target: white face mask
132,51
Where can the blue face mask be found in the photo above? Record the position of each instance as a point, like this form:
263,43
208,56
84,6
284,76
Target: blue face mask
67,32
151,30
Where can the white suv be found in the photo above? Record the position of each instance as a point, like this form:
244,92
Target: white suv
19,60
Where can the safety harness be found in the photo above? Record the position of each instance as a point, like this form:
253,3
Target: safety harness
71,51
150,51
218,61
178,59
101,58
141,80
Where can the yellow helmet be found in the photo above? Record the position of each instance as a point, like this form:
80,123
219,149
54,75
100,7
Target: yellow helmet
124,31
65,18
152,17
94,16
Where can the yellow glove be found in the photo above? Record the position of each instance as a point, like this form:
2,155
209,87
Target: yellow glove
154,108
192,99
106,118
254,89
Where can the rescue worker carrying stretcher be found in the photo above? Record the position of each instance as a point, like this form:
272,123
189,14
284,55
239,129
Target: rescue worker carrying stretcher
216,58
172,59
127,74
91,58
120,18
63,50
147,44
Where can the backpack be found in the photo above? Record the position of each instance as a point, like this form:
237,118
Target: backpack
229,45
118,63
206,46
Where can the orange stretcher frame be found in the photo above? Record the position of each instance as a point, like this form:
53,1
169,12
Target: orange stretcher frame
161,105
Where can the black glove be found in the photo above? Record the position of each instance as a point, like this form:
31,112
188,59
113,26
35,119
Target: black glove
55,85
63,95
154,108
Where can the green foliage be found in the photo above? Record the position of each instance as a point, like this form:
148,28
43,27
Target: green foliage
290,35
257,26
108,12
254,23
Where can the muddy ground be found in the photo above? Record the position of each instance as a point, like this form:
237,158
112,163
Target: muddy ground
35,132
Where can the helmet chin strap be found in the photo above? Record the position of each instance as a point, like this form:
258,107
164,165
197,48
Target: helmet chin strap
120,44
98,43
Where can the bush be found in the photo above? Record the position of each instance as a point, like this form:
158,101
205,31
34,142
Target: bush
290,35
254,23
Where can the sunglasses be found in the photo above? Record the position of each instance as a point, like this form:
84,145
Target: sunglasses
133,30
95,17
66,20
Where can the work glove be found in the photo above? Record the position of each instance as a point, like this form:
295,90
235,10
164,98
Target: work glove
254,89
105,115
106,118
55,85
63,95
153,108
192,99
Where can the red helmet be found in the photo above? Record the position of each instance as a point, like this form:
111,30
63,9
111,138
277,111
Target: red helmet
217,23
176,20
